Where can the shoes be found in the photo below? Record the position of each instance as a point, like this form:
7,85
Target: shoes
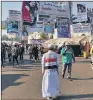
49,98
63,76
69,79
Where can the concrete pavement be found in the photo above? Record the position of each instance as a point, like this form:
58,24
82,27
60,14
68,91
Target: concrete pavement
25,82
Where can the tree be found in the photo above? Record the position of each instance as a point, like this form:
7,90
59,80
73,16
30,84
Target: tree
43,36
51,37
4,37
3,27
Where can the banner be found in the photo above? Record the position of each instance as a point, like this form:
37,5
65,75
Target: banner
53,8
81,28
29,12
12,27
43,16
49,27
39,27
63,28
14,15
81,12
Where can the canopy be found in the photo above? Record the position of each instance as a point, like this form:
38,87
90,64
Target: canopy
71,41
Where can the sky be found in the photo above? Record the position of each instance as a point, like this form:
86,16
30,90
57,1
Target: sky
17,5
10,5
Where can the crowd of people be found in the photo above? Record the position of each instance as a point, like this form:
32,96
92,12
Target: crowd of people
50,63
13,52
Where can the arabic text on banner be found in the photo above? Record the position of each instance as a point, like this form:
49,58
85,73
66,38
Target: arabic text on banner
81,28
52,8
14,15
39,27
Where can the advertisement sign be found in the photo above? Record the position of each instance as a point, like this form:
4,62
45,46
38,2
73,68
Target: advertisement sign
39,27
29,12
15,15
42,17
81,12
53,8
12,27
49,28
63,28
81,28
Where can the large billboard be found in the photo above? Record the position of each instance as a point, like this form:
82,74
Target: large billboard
29,12
63,27
15,15
53,8
81,28
39,27
49,27
81,12
12,27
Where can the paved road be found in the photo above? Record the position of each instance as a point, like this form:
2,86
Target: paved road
24,83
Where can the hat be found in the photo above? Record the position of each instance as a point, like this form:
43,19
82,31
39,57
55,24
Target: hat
50,46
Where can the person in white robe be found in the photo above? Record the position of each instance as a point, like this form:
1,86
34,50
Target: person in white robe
50,71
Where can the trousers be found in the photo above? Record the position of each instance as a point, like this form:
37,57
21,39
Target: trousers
69,65
15,58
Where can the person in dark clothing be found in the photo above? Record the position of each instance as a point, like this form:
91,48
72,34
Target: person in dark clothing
15,54
30,52
4,52
21,52
41,50
35,52
2,58
9,53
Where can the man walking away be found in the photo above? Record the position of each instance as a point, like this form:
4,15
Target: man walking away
30,52
2,57
9,53
15,54
50,71
35,52
21,52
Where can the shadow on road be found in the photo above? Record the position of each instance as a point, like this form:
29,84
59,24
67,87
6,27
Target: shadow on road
9,79
75,97
82,78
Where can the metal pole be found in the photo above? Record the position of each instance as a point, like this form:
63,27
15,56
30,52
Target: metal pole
91,23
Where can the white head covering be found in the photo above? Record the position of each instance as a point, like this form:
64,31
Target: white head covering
50,46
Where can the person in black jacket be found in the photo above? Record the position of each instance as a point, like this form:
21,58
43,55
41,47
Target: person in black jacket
21,52
35,52
2,56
